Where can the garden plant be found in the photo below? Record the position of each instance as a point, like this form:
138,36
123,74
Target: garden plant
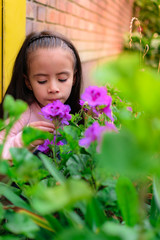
96,180
145,32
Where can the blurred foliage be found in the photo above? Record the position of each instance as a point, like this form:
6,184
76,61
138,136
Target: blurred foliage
112,194
145,31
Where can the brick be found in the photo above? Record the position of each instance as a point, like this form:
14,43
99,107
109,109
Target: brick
95,26
61,5
41,13
52,16
82,24
30,10
51,27
62,18
72,33
38,26
69,7
29,26
61,29
52,3
83,3
69,20
76,10
45,2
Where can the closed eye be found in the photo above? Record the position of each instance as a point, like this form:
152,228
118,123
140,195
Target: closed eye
42,82
62,80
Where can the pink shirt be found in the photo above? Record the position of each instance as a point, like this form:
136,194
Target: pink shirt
14,139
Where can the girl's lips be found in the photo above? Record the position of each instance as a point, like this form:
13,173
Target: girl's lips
52,100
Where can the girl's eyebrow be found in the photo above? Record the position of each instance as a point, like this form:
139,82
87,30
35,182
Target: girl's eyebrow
64,72
45,75
40,74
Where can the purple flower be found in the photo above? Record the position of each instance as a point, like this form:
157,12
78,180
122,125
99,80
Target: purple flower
94,133
95,96
107,110
81,102
45,146
57,110
129,109
109,127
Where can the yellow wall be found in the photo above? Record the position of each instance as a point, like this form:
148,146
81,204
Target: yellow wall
0,49
14,30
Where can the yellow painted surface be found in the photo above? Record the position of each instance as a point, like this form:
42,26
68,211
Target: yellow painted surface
14,30
0,50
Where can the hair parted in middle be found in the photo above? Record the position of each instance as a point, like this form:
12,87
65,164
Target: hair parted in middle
45,39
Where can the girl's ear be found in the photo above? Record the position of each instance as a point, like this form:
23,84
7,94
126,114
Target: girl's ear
27,82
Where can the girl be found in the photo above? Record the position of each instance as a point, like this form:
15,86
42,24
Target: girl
47,68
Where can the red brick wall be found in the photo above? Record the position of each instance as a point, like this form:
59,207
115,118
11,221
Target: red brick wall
96,27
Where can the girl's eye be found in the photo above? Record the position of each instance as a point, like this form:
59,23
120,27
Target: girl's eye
62,80
42,82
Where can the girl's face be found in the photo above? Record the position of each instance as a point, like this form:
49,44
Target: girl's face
50,74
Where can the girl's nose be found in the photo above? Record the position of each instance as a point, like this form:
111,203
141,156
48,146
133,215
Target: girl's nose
53,88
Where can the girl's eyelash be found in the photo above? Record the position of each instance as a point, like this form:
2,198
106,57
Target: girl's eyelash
62,80
42,82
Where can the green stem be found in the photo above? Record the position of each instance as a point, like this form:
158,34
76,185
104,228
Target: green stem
55,143
85,120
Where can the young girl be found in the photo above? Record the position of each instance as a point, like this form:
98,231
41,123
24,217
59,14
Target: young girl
47,68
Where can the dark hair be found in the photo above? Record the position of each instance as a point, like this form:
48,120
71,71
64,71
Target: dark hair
45,39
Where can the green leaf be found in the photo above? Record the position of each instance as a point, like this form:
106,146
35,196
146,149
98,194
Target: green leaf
10,237
73,218
1,149
21,155
21,224
14,107
26,165
42,222
107,195
156,191
2,124
52,168
31,134
78,165
94,215
79,234
119,231
2,211
128,201
71,134
126,75
155,203
54,223
47,200
121,153
9,193
154,213
4,167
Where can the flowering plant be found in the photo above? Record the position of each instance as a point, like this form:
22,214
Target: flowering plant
94,133
45,146
57,112
98,100
89,194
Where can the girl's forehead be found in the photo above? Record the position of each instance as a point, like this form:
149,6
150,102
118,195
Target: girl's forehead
54,57
54,52
50,51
